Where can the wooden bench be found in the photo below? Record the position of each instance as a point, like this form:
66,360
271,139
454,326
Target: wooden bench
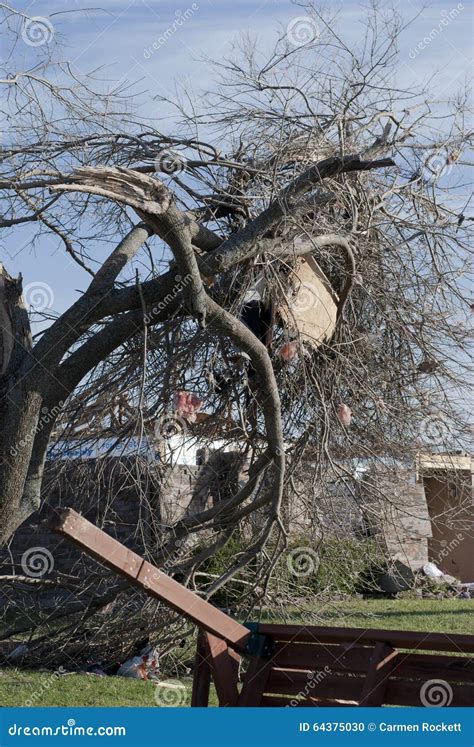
356,667
295,665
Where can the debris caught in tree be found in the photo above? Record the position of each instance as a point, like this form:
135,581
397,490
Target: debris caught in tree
289,351
187,405
311,306
428,366
344,413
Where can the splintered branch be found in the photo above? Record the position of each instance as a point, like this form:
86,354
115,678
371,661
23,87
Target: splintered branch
123,185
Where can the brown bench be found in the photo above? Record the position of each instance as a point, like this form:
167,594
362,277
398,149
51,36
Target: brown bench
296,665
356,667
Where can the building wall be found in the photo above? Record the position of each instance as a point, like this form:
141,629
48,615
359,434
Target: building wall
133,502
407,525
104,491
136,505
451,509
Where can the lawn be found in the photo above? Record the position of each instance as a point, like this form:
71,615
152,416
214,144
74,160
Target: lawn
430,615
17,686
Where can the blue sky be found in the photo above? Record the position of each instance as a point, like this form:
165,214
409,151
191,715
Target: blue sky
118,33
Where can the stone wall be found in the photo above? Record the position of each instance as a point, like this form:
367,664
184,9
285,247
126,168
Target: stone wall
107,493
130,501
396,512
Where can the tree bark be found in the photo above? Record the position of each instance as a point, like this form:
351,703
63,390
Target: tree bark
20,406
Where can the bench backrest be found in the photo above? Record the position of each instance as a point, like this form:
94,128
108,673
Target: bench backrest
346,666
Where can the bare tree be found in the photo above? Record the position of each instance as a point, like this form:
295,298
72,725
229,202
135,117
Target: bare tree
313,152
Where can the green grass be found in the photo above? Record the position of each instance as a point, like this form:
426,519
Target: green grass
430,615
18,686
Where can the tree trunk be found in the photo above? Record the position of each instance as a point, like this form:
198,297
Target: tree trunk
19,416
20,405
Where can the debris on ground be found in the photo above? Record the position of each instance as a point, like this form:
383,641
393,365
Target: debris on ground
145,666
435,574
18,652
289,351
432,571
399,577
344,414
467,590
97,670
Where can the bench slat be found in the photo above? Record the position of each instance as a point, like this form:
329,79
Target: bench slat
108,550
349,688
380,668
277,701
297,683
459,642
408,693
339,658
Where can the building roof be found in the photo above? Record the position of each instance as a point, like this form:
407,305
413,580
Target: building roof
444,462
